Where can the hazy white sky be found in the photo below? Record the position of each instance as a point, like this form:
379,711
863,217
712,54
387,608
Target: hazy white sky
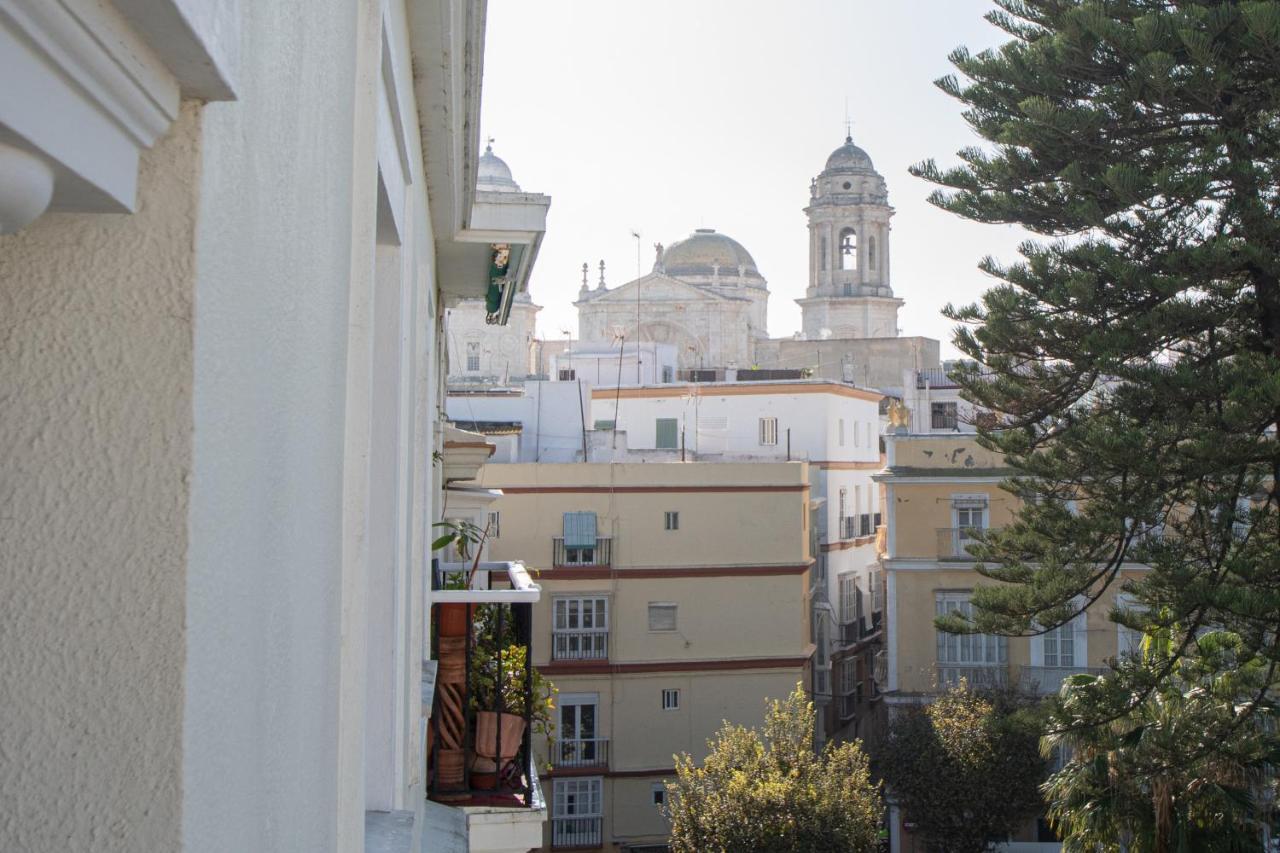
668,115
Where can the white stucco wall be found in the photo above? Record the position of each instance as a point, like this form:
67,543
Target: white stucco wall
95,462
550,415
276,233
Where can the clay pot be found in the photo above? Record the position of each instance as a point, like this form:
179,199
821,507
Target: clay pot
487,723
450,768
452,656
452,619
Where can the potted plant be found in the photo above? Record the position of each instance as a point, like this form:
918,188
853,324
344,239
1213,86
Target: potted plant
467,538
452,624
499,678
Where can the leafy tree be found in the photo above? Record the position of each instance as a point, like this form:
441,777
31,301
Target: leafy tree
770,792
1135,356
965,769
1147,781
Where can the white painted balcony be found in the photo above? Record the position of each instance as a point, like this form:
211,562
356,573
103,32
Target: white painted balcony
583,752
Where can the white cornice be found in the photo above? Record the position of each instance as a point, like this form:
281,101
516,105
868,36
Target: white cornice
86,90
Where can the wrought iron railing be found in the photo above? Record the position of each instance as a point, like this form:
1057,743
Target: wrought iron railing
583,752
588,644
600,553
954,542
1044,680
848,527
484,696
975,675
576,831
944,419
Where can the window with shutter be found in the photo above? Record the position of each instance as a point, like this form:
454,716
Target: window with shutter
579,529
668,436
768,431
662,616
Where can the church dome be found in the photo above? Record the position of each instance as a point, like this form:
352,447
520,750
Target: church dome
701,253
849,157
494,175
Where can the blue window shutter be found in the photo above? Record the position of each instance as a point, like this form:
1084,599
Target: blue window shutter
579,529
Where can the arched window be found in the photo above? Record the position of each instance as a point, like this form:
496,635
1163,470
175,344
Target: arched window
848,249
871,253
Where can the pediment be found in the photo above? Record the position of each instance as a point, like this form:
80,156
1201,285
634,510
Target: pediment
656,287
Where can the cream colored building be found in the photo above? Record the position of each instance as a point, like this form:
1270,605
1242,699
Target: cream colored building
833,426
939,488
674,597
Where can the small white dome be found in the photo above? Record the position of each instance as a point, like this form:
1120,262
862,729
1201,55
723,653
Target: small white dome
494,175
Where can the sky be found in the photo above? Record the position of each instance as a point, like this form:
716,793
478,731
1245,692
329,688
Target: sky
668,115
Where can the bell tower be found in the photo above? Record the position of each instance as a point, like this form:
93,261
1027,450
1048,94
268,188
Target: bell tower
849,293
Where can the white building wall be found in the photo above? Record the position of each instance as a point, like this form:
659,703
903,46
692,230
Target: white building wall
501,353
919,400
601,364
730,423
96,429
214,636
550,414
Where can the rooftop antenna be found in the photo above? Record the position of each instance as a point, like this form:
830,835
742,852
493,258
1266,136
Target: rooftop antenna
636,234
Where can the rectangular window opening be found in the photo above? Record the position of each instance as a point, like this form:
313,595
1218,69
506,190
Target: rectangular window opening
662,616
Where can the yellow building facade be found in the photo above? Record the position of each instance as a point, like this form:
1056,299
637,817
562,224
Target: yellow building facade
674,598
939,490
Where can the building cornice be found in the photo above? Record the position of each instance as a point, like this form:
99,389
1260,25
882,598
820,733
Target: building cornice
90,86
648,572
569,668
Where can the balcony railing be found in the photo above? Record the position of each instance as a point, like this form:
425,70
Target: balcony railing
1044,680
975,675
859,628
954,542
588,644
583,752
576,831
848,527
483,627
947,420
599,554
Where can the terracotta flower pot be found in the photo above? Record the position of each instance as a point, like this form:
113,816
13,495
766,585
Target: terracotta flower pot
450,768
487,723
452,619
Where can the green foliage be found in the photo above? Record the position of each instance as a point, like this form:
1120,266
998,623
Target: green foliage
1135,358
769,792
498,662
965,769
1180,772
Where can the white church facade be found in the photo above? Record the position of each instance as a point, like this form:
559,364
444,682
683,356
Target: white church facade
706,296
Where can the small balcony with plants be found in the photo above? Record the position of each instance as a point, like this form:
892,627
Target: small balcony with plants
489,701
